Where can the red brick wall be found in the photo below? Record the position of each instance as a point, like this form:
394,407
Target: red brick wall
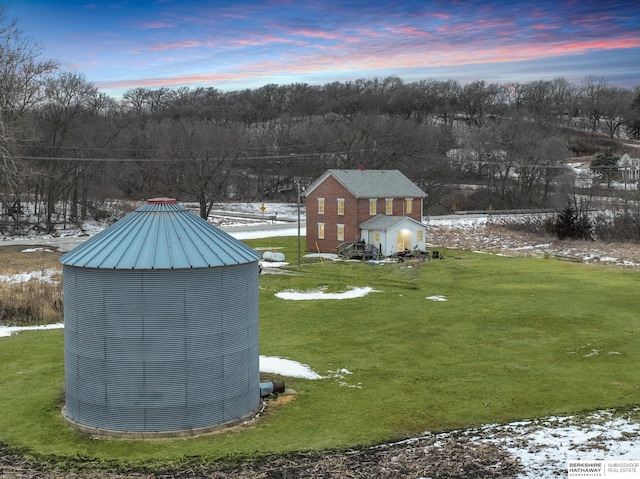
398,208
330,190
356,211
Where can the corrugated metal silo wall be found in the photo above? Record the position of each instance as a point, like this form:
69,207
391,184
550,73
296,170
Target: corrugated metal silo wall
161,350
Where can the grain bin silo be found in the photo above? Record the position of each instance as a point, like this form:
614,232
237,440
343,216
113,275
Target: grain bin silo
161,326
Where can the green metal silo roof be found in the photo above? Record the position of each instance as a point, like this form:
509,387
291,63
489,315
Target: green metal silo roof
160,235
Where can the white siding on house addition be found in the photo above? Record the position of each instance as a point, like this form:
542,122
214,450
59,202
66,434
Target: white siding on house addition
393,232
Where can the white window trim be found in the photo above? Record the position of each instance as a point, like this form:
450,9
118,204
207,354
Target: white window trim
374,203
387,202
408,201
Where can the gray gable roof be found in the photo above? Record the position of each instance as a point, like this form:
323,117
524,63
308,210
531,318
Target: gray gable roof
372,183
385,222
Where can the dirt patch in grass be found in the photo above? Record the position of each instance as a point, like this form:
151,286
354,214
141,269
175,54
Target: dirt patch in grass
454,458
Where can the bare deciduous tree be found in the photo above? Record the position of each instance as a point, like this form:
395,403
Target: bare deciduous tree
22,77
22,72
201,156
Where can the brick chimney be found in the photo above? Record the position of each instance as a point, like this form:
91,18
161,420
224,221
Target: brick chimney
361,166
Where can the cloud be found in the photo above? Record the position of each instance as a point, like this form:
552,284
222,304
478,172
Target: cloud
156,25
179,45
186,42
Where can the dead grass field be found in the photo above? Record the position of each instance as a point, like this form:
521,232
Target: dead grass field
34,301
14,260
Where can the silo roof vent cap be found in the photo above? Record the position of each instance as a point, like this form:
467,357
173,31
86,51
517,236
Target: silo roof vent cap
161,201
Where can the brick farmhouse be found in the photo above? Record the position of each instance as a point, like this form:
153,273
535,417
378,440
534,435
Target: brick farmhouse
339,202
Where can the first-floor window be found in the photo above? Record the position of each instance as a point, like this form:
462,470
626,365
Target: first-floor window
376,237
320,230
340,232
419,235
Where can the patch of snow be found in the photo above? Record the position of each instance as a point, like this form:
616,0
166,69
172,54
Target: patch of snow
608,259
6,331
260,233
287,367
35,250
331,256
340,375
494,254
45,276
273,264
544,446
436,298
313,295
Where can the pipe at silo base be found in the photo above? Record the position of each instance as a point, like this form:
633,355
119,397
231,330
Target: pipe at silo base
271,387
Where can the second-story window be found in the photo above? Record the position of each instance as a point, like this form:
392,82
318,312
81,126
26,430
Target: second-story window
408,206
373,207
320,206
388,206
340,206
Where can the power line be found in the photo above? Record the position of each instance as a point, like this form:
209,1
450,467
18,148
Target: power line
143,160
95,148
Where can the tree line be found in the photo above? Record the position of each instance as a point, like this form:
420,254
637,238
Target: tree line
67,149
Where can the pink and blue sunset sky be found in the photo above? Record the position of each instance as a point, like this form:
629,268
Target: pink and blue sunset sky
236,44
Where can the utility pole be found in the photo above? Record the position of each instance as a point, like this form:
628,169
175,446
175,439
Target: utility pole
298,222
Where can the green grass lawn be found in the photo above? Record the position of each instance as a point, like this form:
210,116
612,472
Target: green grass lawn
517,338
